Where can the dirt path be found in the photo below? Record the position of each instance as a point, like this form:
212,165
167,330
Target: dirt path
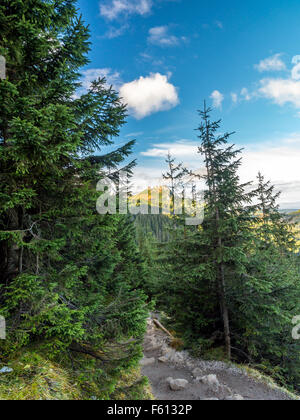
205,380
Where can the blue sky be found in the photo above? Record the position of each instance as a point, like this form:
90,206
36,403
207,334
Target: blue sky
167,56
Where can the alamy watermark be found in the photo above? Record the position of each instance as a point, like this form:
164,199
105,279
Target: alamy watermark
2,328
296,330
2,68
116,199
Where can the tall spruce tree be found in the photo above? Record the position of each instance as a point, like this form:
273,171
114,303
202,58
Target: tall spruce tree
228,213
63,272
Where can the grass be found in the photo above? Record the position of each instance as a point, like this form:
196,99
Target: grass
132,386
268,380
35,377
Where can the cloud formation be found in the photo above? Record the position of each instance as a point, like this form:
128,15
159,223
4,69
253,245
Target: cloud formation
180,149
273,63
217,99
234,97
283,90
113,32
147,95
280,90
112,9
160,35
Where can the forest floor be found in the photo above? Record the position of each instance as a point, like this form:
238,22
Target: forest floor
203,380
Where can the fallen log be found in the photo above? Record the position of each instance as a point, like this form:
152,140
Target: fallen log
159,325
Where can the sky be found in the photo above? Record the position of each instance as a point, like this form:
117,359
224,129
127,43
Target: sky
165,57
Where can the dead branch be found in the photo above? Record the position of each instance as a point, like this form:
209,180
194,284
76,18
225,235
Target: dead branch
159,325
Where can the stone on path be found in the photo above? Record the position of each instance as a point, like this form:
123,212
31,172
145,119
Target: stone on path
211,381
177,384
147,362
197,373
235,397
163,359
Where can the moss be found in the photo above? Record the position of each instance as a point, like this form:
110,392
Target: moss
36,378
133,386
75,377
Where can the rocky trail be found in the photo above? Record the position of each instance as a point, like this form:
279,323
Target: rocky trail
177,376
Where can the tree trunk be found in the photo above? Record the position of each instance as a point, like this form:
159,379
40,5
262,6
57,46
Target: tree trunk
224,310
12,251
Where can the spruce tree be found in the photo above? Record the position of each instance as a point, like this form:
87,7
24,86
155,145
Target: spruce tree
273,226
175,177
227,213
63,273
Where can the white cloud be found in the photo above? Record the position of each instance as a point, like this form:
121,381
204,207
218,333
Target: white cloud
234,97
160,35
148,95
154,61
144,96
296,72
114,8
296,69
273,63
217,99
112,78
246,95
180,149
281,91
296,59
134,135
115,32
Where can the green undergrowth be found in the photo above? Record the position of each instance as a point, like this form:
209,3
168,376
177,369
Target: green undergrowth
78,377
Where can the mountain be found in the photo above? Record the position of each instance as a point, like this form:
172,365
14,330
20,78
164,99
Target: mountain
158,199
294,216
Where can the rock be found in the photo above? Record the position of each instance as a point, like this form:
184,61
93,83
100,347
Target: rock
175,357
178,384
190,364
211,381
169,354
149,322
235,397
152,344
165,350
163,359
147,362
212,399
197,373
6,370
153,347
